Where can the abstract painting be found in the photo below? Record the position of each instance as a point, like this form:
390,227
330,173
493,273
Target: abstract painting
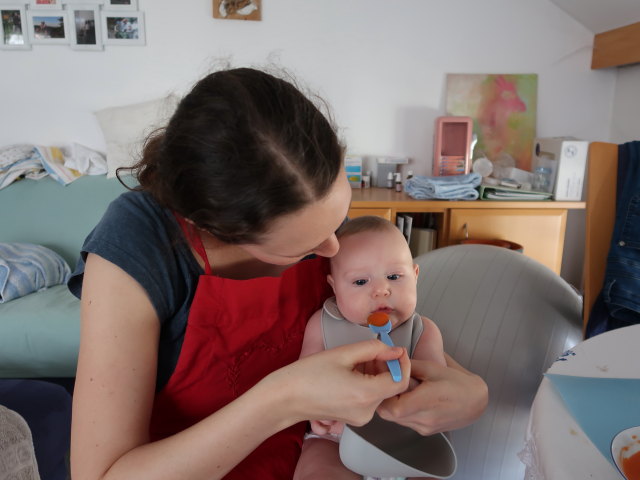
503,108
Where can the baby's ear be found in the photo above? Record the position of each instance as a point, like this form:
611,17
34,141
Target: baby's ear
331,282
417,269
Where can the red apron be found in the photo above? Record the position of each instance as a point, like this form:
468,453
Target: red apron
237,332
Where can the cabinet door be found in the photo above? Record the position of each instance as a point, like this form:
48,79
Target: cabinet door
379,212
540,232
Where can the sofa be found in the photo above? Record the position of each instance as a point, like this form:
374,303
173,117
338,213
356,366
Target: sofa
40,331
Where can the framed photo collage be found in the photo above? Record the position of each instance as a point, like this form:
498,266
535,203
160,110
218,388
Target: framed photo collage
80,24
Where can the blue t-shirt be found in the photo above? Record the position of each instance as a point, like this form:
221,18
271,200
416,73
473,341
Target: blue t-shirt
145,240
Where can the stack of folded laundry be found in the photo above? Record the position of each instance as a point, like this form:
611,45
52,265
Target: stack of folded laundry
452,187
35,162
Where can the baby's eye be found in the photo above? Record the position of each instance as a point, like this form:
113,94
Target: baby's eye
394,276
360,282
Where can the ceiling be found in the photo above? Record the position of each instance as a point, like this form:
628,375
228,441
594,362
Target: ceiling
602,15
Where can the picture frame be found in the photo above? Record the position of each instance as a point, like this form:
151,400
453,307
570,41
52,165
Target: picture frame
46,4
120,5
48,27
85,27
123,27
69,4
13,29
237,9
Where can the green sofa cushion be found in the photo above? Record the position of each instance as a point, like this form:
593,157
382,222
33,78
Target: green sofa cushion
40,334
59,217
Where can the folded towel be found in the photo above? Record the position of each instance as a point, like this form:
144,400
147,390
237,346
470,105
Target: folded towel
28,167
85,160
451,187
14,153
52,159
35,162
27,268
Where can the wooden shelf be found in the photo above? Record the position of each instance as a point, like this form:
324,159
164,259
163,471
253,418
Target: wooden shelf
617,47
401,202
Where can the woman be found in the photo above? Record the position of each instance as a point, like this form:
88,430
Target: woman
195,294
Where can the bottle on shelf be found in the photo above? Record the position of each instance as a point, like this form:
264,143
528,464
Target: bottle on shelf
542,179
398,182
390,180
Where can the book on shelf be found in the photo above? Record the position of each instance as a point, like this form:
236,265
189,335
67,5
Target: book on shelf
418,230
423,240
499,192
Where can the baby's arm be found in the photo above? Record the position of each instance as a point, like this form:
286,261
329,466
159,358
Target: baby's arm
313,341
429,346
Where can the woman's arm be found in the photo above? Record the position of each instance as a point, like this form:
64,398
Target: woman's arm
115,387
447,398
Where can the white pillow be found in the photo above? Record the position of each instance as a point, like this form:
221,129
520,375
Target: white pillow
126,127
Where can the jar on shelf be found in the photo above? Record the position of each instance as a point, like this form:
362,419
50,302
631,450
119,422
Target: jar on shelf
542,179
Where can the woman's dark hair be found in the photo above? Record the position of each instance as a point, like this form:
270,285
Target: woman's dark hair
242,149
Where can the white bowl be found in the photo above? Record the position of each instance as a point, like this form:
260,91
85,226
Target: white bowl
625,444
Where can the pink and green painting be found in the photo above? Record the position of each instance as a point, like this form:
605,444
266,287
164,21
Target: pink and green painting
503,109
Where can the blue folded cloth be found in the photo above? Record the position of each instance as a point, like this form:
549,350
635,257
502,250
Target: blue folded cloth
27,268
451,187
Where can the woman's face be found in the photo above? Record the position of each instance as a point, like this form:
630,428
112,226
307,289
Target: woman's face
310,230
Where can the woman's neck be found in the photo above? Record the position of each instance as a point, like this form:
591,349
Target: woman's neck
234,262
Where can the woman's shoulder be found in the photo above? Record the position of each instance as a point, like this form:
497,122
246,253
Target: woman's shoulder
137,215
143,239
135,203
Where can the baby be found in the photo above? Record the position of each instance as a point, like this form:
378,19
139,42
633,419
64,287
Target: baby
372,272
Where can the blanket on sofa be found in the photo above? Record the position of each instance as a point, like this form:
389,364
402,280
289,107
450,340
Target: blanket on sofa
26,268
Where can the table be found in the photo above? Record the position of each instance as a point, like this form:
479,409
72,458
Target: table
556,446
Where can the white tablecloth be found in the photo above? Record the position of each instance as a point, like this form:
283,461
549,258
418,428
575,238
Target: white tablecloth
556,447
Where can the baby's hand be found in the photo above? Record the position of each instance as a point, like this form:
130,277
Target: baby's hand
325,427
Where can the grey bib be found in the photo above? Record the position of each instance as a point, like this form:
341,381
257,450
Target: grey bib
337,331
381,448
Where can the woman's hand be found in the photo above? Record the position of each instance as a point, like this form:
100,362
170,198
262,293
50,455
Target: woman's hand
326,427
330,385
447,398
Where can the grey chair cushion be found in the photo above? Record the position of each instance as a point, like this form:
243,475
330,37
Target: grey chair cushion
505,317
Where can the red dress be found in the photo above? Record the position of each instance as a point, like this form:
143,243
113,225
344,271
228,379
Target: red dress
237,332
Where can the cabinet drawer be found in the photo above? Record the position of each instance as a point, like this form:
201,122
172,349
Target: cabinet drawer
540,232
378,212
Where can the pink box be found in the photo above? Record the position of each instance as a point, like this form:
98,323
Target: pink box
452,146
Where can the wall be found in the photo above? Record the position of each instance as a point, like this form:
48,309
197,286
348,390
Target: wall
381,64
625,125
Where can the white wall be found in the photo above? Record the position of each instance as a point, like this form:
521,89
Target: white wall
381,64
625,125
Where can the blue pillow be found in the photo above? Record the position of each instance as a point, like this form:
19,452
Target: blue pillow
26,268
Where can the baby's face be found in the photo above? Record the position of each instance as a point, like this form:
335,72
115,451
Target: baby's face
372,272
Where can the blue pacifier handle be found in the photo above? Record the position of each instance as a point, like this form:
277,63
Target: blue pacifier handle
394,365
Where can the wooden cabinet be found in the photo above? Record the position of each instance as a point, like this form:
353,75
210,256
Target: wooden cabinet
540,232
379,212
538,226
